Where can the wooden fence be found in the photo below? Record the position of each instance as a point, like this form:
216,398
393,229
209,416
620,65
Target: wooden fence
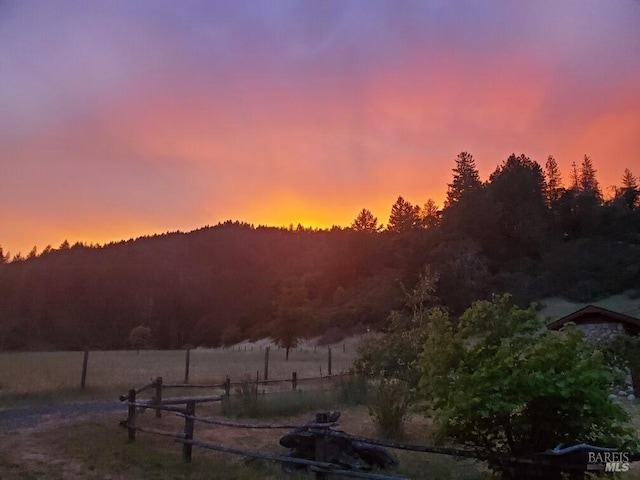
322,431
159,387
185,407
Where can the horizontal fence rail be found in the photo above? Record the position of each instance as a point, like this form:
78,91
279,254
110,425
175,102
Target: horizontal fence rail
160,386
323,468
322,431
185,407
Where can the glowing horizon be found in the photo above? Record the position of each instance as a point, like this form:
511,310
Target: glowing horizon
122,120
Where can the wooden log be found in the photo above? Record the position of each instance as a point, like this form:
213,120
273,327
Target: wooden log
189,425
193,385
138,390
179,400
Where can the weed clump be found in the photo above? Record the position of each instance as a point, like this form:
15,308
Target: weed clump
389,408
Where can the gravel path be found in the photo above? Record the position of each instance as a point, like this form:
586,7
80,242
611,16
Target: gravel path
29,417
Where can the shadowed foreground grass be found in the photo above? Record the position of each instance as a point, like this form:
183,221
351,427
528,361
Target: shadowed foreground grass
98,449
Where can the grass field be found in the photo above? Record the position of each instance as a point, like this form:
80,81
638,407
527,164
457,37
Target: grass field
49,375
627,303
98,449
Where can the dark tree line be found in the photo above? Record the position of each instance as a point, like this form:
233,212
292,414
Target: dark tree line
521,231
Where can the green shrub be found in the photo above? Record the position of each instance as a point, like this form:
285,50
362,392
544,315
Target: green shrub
501,383
389,407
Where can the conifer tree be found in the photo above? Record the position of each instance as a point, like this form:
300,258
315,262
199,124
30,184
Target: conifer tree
553,182
404,216
465,178
575,179
430,214
629,193
366,222
629,180
587,181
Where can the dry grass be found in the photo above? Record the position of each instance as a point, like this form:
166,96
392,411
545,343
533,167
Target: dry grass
29,375
627,303
98,449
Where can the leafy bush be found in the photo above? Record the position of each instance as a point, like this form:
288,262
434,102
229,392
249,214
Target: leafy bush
501,383
623,353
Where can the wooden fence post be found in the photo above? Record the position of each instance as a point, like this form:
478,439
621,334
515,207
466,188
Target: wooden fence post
294,380
186,365
131,418
85,361
158,397
329,369
321,446
257,382
189,424
227,387
266,363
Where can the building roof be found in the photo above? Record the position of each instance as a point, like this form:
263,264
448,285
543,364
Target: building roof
590,310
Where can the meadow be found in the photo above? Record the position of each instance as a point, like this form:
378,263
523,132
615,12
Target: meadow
47,376
627,303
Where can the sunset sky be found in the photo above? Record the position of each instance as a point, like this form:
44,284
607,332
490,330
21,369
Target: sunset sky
126,118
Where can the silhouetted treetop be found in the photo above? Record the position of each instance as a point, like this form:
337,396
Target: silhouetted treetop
553,187
366,222
588,182
404,216
465,178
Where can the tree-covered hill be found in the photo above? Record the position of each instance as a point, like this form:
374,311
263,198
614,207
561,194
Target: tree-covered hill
520,232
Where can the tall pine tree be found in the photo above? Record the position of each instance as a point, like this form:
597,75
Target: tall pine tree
575,178
430,214
587,181
366,222
404,216
553,182
465,179
629,193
